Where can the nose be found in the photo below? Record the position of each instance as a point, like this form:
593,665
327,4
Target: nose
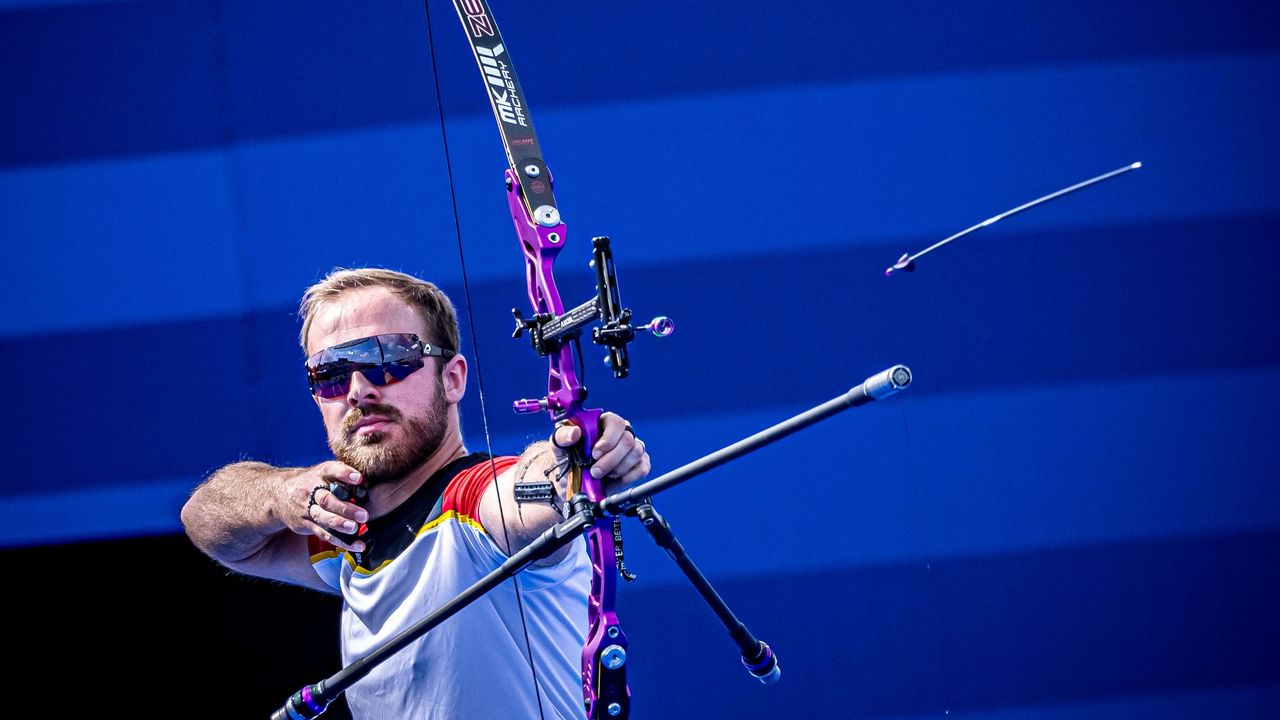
362,391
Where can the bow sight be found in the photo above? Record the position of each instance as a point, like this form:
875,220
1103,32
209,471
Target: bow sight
549,332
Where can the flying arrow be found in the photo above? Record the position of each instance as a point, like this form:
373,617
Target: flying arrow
907,262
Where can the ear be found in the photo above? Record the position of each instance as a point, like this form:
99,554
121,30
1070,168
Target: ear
454,379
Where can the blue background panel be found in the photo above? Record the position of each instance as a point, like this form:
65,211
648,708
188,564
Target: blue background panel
1072,513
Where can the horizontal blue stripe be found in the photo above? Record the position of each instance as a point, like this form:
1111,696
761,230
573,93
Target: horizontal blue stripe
138,242
158,76
1238,703
109,79
11,5
109,512
924,475
1017,634
209,233
1124,302
899,164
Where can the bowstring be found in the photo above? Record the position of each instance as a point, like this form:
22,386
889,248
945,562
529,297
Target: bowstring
475,345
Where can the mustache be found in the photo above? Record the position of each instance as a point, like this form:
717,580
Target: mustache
357,414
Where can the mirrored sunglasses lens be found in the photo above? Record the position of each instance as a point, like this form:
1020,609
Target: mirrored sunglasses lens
397,371
381,359
391,372
333,386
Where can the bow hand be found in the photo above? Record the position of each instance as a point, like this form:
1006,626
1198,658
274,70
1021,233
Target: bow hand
618,457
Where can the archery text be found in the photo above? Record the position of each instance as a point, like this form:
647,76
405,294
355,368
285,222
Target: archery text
503,88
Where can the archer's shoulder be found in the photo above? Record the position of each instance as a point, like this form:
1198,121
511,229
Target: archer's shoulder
464,491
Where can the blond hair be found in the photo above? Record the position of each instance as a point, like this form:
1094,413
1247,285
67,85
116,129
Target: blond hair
437,311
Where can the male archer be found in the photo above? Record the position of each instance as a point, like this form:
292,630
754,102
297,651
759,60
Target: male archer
387,377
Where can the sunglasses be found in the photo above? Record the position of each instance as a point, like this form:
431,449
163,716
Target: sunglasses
381,359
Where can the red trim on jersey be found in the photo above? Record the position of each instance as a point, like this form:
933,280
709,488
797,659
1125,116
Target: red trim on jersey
467,487
315,546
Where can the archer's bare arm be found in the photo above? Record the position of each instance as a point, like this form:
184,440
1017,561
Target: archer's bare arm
253,518
619,458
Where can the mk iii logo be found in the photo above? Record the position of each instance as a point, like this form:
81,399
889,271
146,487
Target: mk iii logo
498,74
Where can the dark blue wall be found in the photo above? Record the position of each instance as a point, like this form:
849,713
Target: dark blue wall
1072,513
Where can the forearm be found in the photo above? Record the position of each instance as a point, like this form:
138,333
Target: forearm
233,514
618,458
515,522
543,470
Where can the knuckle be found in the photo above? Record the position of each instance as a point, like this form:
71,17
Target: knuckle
327,501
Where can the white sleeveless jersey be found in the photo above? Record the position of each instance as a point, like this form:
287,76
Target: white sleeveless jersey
474,665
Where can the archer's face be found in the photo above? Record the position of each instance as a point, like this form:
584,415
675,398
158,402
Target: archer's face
385,432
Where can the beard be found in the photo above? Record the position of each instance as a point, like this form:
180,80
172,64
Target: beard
378,457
